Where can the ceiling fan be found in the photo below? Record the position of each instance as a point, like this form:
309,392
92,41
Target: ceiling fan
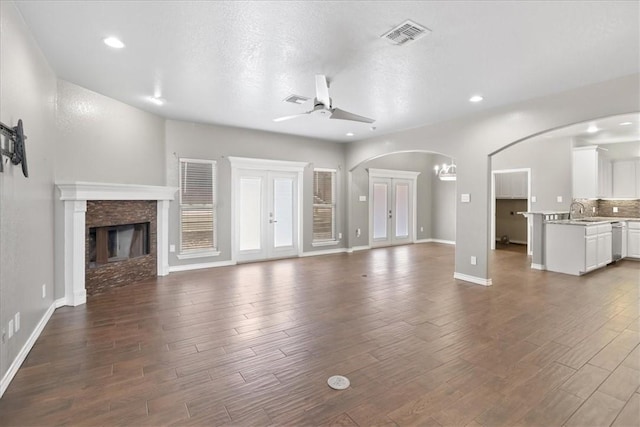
322,105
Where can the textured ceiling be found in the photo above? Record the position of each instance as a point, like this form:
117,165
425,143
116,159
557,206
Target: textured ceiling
233,63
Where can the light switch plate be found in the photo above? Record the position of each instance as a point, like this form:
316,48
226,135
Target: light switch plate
10,331
363,198
172,248
559,199
615,209
474,260
534,199
465,198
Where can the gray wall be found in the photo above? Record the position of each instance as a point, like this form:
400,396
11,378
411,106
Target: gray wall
472,139
28,88
550,162
104,140
198,141
435,199
443,208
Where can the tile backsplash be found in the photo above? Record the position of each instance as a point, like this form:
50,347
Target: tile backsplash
626,208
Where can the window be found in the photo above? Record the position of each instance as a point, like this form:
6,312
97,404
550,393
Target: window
324,205
197,207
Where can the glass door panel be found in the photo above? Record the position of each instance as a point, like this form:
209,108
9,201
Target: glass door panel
380,208
402,210
250,215
283,209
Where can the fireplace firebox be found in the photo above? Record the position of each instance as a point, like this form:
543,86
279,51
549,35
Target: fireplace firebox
118,243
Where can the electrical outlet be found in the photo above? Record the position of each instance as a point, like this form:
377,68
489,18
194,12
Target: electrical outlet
615,209
421,229
559,199
358,232
339,236
534,199
44,290
593,209
474,260
172,248
16,320
10,327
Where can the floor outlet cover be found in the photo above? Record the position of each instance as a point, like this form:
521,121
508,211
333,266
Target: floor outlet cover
338,382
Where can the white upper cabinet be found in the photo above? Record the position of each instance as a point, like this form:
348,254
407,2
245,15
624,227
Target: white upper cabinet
511,185
626,177
592,173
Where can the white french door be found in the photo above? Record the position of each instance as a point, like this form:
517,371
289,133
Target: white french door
266,211
392,211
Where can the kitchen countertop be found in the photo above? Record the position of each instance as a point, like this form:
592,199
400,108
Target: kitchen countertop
599,220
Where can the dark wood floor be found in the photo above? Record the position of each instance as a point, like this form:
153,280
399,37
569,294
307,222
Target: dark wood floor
254,345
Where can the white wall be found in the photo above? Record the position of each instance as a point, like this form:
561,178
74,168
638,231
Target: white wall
199,141
28,88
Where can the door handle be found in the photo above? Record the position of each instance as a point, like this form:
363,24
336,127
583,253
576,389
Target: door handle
272,221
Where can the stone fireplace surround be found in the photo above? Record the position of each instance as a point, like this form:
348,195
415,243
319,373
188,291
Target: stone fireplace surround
75,196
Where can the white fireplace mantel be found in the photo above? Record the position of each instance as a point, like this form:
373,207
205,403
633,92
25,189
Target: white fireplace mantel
75,196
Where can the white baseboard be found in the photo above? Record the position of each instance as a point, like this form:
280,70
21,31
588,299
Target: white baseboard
358,248
188,267
61,302
538,266
446,242
324,252
17,362
473,279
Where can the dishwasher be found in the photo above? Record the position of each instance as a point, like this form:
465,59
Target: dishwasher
617,233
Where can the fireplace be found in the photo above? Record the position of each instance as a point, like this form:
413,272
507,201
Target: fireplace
113,235
117,243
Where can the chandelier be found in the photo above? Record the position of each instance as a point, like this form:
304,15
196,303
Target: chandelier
446,172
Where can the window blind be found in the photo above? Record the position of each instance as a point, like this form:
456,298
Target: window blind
323,205
197,205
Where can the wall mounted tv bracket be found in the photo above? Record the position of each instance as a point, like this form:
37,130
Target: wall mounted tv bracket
16,150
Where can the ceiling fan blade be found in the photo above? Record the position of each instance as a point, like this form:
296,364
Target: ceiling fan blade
337,113
282,119
322,90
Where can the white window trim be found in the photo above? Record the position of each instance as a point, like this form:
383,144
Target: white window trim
193,254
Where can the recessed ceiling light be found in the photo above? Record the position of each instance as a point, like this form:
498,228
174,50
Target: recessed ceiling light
350,134
114,42
626,123
156,100
476,98
592,129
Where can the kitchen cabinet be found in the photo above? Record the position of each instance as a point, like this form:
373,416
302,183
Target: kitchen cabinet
577,249
591,173
511,185
633,239
626,178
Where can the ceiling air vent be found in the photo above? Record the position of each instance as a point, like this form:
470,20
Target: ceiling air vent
296,99
406,32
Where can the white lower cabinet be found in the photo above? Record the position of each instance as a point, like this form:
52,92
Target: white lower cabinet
633,239
591,252
577,249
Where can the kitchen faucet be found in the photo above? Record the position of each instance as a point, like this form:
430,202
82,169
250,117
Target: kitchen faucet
571,208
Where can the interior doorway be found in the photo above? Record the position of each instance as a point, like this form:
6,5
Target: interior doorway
510,191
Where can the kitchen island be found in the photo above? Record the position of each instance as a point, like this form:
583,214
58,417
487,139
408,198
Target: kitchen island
578,246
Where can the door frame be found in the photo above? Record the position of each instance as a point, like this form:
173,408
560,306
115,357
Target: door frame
399,174
265,165
493,205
